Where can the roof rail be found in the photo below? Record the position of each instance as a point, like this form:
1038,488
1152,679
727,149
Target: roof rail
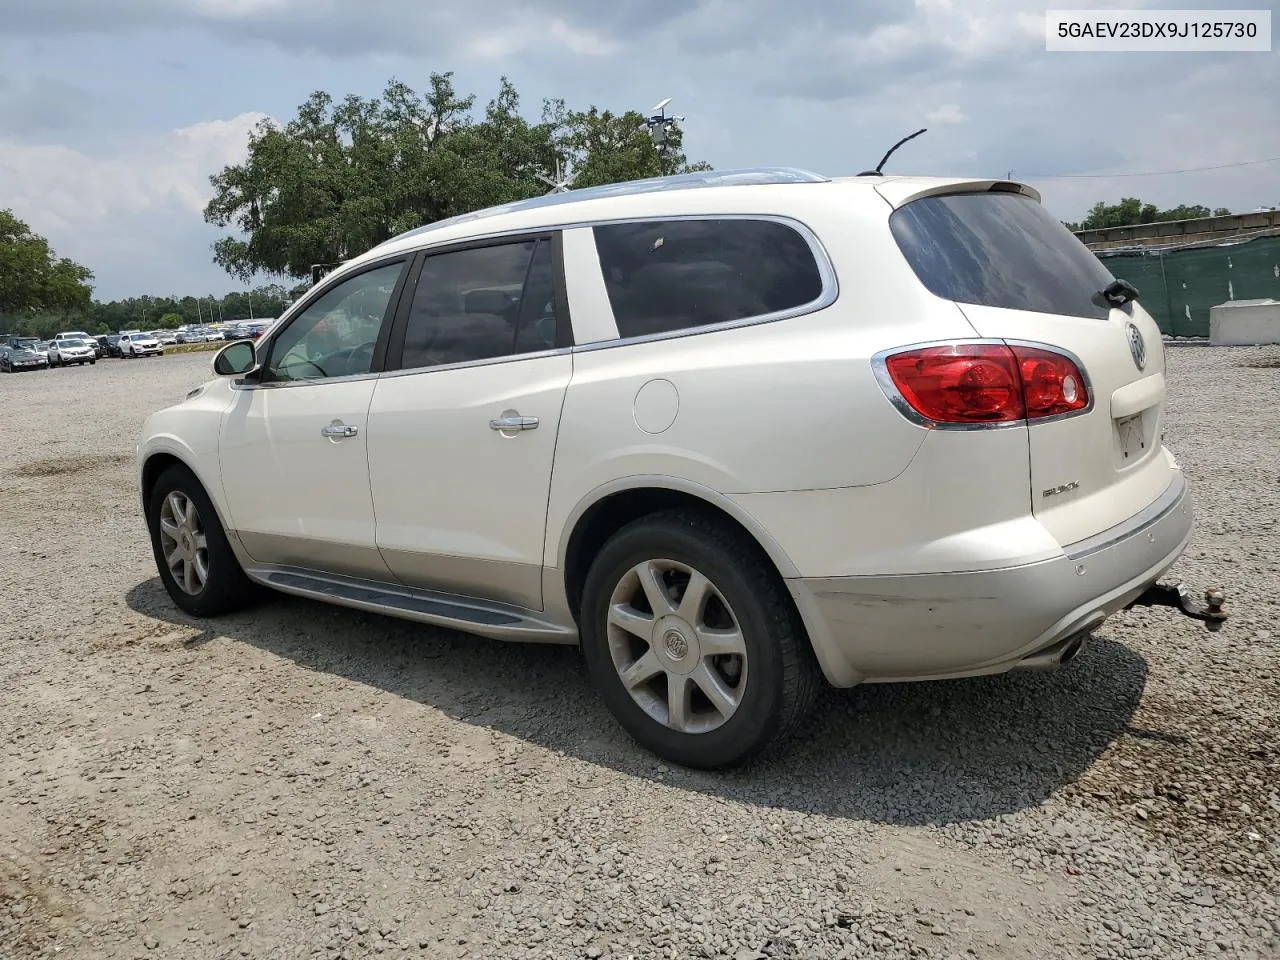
744,176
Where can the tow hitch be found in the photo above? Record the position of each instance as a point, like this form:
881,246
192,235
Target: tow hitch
1179,596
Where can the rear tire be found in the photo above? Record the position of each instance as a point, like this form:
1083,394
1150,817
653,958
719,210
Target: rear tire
711,682
195,561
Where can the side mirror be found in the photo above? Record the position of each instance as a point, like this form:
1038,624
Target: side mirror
234,359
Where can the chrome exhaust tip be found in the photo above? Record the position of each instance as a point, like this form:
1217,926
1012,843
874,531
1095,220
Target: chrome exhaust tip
1059,654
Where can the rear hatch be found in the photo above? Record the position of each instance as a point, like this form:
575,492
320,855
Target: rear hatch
1018,274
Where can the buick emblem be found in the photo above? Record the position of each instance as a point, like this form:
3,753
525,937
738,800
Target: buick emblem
1137,347
677,646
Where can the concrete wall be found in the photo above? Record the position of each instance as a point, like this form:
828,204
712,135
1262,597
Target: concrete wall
1244,323
1179,231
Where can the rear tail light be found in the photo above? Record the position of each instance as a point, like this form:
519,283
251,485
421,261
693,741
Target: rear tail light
987,383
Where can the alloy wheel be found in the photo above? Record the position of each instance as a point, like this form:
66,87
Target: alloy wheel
183,542
677,646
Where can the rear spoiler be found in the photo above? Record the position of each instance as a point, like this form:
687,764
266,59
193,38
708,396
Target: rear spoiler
903,190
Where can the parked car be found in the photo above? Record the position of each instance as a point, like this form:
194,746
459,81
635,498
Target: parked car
732,433
90,340
41,347
110,344
197,335
15,358
164,337
139,345
21,342
64,351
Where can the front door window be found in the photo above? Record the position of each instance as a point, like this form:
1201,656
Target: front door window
335,336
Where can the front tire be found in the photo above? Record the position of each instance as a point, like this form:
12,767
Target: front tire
193,556
693,642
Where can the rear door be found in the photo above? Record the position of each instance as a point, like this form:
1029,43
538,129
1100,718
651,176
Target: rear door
463,425
1018,274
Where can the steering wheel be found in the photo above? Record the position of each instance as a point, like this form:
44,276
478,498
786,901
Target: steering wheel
295,362
358,359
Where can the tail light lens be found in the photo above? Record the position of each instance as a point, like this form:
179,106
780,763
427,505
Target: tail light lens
1052,384
980,383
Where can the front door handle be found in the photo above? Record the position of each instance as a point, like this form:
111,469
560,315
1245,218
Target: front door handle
334,430
514,423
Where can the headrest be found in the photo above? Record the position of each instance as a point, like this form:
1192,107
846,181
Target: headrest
486,301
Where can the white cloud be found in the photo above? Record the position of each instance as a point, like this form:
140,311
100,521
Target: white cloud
530,33
948,113
134,216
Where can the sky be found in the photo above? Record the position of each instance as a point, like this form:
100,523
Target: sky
114,113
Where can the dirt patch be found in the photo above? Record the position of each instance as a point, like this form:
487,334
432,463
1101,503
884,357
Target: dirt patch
1203,773
61,466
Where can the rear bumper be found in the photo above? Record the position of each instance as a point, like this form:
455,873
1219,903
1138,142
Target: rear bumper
935,626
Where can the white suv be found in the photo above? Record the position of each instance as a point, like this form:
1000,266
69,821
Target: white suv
139,345
66,349
733,433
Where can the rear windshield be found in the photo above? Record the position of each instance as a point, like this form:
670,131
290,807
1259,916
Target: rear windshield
1000,250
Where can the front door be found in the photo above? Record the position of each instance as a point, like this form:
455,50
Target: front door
293,447
462,435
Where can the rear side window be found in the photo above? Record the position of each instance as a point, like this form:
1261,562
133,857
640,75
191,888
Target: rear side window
1000,250
482,303
668,275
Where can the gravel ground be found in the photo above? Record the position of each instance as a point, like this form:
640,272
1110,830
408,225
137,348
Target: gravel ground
303,780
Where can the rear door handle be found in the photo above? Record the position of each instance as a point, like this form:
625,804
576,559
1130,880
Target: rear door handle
514,423
339,430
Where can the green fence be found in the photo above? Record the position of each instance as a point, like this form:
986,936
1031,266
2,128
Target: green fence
1179,286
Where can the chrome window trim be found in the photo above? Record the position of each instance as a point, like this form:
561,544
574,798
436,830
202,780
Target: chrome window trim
486,362
411,371
880,368
826,272
313,382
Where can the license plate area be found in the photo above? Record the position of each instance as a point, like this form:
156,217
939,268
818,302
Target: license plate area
1132,439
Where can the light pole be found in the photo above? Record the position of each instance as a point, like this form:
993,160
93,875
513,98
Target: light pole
660,126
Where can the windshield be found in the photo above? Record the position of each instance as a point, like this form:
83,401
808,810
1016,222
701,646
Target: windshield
1000,250
72,343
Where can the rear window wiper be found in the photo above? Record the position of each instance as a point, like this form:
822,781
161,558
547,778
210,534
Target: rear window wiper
1119,292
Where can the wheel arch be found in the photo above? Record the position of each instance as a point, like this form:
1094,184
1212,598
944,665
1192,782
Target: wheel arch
157,460
610,507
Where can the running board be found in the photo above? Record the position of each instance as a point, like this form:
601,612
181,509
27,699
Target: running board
467,614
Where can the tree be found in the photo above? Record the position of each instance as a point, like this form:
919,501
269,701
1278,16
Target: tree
169,321
343,176
602,147
1131,211
32,278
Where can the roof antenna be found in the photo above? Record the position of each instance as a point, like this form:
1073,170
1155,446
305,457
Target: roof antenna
876,172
